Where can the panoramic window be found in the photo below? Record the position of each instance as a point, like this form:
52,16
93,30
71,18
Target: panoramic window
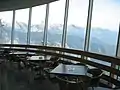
21,26
37,24
105,27
5,26
55,23
77,20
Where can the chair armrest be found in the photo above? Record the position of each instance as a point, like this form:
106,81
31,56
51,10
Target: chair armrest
98,75
117,87
69,81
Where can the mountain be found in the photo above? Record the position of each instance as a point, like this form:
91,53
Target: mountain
76,30
105,35
102,41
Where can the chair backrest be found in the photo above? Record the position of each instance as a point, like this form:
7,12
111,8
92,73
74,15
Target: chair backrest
62,83
81,64
71,83
94,82
54,61
66,62
6,51
54,58
95,72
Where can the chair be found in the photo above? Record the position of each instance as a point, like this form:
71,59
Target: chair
117,88
66,83
82,64
66,62
50,65
5,54
96,76
71,63
53,62
94,71
62,83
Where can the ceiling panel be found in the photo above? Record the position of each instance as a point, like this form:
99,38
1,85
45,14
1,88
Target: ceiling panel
20,4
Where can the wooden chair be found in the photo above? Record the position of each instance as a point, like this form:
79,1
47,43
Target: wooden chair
66,83
51,64
96,76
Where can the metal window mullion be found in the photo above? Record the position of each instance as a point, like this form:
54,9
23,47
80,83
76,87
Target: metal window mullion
117,50
46,26
64,35
29,26
88,26
118,44
13,27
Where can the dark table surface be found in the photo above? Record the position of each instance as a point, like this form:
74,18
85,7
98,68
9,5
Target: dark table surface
34,58
38,58
21,53
76,70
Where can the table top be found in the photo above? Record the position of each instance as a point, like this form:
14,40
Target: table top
37,58
21,53
75,70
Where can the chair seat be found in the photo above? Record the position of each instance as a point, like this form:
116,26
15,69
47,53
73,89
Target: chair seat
94,71
95,78
71,83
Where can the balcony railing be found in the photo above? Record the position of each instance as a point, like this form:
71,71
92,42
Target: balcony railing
72,55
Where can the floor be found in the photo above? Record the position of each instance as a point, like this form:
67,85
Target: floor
13,79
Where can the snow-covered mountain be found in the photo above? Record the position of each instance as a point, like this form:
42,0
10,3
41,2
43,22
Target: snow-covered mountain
102,40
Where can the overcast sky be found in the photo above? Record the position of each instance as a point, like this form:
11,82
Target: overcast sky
106,14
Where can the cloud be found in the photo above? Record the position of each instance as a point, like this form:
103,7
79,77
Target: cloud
6,16
106,13
38,14
22,15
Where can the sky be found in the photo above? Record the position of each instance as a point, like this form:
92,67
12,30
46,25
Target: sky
106,14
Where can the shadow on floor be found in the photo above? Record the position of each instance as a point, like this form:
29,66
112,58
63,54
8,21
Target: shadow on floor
13,79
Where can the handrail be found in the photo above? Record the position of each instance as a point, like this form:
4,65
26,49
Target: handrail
69,81
101,66
47,50
105,58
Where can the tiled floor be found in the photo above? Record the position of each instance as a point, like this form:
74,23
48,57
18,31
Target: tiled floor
13,79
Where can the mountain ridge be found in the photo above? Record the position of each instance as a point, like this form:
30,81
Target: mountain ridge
102,40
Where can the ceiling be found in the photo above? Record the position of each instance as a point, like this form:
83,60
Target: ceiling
4,0
20,4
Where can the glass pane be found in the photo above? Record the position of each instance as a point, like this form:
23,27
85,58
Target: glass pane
105,27
77,20
5,26
55,23
38,22
21,24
